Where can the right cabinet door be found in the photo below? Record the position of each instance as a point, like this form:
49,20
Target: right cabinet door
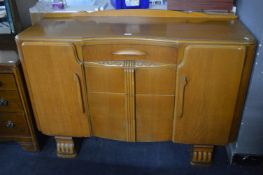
208,80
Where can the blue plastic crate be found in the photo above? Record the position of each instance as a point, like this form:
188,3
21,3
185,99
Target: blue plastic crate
128,4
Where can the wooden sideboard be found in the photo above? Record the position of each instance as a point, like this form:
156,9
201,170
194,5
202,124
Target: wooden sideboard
138,79
16,118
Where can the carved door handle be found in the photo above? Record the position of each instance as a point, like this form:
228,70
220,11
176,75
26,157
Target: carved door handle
129,52
80,92
180,102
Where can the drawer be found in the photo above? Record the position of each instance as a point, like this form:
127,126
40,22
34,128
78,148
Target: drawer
108,115
154,118
113,52
13,124
10,102
7,82
105,79
158,80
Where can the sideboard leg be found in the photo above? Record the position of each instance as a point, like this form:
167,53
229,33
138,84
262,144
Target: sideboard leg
65,147
202,154
29,146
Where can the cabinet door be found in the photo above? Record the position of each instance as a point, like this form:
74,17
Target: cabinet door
131,100
107,98
54,78
208,80
155,91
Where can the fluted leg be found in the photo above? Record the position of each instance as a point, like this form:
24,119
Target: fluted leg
202,154
29,146
65,147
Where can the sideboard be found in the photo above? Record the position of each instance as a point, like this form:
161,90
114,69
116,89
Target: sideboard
138,78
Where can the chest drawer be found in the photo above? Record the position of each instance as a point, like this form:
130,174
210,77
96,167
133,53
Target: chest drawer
13,124
7,82
10,102
117,52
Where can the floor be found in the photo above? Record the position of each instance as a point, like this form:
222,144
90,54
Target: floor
105,157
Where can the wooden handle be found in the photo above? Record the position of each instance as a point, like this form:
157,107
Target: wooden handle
180,102
80,92
129,53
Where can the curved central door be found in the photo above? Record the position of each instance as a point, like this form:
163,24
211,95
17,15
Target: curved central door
131,91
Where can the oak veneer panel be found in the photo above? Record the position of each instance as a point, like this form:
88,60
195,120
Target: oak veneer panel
14,102
205,107
20,125
54,78
250,55
104,79
108,115
106,52
159,80
154,118
7,82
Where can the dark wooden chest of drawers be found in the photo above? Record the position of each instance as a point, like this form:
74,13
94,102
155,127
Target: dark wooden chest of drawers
16,122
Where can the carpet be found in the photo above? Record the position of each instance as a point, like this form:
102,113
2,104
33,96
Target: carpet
106,157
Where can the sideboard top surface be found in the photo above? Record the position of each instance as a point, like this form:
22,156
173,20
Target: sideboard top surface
151,28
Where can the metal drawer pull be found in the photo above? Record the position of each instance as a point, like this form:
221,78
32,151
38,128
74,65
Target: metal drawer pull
129,53
3,102
10,124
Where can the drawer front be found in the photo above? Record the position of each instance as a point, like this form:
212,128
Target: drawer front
10,102
101,78
108,115
7,82
117,52
158,81
13,124
154,118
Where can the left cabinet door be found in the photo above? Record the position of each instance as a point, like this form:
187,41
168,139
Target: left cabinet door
55,81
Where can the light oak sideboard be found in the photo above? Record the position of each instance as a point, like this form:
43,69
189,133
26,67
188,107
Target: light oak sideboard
138,79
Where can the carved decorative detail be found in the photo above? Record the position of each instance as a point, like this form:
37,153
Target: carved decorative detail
202,154
110,63
65,147
129,67
137,64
